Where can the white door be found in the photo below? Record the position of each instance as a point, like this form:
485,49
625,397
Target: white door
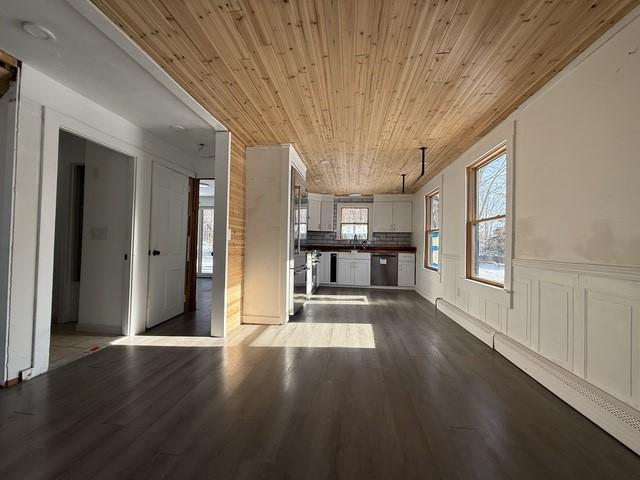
314,212
326,216
362,273
402,217
103,303
382,216
167,245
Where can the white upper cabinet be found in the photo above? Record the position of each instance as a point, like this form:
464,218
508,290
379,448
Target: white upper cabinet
402,220
320,213
315,214
382,216
326,216
392,213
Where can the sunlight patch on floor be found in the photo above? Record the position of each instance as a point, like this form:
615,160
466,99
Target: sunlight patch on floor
338,300
317,335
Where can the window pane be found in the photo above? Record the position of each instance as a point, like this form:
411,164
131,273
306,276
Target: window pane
488,250
354,215
348,230
434,249
205,248
491,188
435,211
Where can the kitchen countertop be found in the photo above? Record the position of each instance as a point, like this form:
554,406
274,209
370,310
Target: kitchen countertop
348,248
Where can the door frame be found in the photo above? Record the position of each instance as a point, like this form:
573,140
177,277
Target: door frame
52,124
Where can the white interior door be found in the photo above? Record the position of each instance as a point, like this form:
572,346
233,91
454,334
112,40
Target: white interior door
106,241
167,245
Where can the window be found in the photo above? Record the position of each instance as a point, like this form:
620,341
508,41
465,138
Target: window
487,183
354,222
432,231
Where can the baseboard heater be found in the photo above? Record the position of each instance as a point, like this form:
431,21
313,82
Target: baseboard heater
615,417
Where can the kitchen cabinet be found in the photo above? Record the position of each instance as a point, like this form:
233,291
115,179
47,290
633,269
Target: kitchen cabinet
392,213
326,216
320,213
406,269
314,212
354,269
383,217
324,268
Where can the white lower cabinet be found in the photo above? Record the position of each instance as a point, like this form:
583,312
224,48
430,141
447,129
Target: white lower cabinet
354,269
324,268
406,269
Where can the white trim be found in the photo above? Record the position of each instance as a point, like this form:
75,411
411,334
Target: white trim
509,146
53,122
622,272
12,148
617,418
470,323
613,416
94,15
221,235
437,187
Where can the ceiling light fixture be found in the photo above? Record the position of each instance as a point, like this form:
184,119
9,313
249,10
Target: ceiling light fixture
355,194
324,162
180,128
38,31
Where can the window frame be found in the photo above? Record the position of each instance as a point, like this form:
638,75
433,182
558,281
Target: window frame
426,260
472,219
338,226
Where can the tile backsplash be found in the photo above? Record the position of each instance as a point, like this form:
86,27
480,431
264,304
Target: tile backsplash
379,239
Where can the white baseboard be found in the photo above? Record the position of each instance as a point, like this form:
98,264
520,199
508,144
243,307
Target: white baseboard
380,287
615,417
470,323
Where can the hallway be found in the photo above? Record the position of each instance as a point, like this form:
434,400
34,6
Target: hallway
368,384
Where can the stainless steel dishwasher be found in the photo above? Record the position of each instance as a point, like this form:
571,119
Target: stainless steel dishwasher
384,269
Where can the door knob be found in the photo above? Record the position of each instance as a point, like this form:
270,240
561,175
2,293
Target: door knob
155,253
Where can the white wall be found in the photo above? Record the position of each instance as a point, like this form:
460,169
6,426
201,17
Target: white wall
576,263
106,240
37,147
71,152
8,113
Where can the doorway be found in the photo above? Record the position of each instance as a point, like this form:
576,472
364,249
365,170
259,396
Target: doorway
92,250
197,265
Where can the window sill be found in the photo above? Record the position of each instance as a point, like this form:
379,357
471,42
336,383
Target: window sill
494,293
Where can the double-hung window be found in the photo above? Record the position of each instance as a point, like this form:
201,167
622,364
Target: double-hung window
486,225
354,223
432,230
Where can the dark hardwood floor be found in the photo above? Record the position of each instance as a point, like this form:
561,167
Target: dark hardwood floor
191,324
389,390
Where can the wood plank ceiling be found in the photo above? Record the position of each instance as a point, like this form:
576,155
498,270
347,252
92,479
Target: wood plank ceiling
359,85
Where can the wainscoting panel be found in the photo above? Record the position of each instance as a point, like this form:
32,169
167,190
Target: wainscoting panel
519,317
583,318
555,323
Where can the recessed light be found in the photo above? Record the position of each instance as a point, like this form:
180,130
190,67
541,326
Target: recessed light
38,31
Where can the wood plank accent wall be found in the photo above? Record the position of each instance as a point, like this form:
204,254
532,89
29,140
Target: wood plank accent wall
359,85
235,262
